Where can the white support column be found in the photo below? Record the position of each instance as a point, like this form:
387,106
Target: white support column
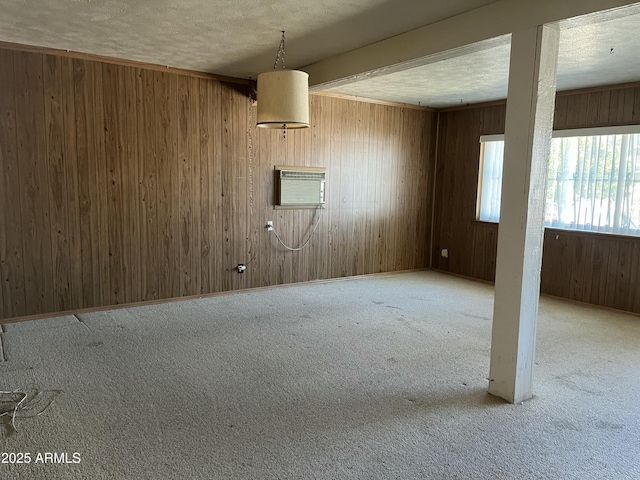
529,122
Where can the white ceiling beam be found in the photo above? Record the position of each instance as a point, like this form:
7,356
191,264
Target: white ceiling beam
478,29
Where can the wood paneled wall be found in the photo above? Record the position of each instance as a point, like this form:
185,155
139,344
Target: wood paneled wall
588,267
121,184
471,244
599,269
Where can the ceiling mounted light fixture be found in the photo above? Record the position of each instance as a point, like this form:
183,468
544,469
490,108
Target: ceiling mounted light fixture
283,96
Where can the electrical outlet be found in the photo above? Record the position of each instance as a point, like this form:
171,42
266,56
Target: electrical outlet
270,226
444,253
241,268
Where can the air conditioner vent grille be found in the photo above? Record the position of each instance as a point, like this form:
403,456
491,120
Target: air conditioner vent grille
300,175
301,187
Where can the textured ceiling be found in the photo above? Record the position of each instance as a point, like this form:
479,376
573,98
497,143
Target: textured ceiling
585,59
477,77
240,38
228,37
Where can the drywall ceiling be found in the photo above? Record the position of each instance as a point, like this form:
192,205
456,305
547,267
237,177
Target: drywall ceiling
240,38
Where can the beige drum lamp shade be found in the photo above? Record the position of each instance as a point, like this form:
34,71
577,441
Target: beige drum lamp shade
283,99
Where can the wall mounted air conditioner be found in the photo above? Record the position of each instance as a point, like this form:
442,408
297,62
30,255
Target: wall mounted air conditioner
300,187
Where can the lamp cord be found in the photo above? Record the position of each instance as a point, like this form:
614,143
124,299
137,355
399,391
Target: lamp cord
308,240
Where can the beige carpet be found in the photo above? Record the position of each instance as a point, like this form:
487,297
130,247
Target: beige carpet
369,378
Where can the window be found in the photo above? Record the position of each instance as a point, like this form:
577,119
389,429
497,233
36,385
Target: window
490,178
593,180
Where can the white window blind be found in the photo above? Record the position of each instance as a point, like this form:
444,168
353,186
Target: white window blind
593,180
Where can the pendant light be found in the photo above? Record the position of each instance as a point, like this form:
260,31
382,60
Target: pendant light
283,96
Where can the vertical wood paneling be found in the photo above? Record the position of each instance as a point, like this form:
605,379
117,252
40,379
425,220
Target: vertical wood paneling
186,165
394,118
218,265
57,166
594,268
560,113
196,196
612,274
341,180
115,205
147,180
415,191
12,282
380,227
263,196
298,259
34,183
241,198
603,111
616,112
228,189
455,224
127,78
73,189
635,117
580,261
577,109
632,300
599,275
7,145
102,183
386,197
256,215
360,171
284,263
121,185
86,174
321,130
206,152
593,108
165,90
627,116
479,247
622,285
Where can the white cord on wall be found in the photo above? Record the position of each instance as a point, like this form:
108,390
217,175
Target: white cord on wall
305,243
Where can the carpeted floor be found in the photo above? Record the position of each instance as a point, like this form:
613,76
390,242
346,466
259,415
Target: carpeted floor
369,378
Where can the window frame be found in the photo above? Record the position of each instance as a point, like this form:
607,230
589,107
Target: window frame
564,133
